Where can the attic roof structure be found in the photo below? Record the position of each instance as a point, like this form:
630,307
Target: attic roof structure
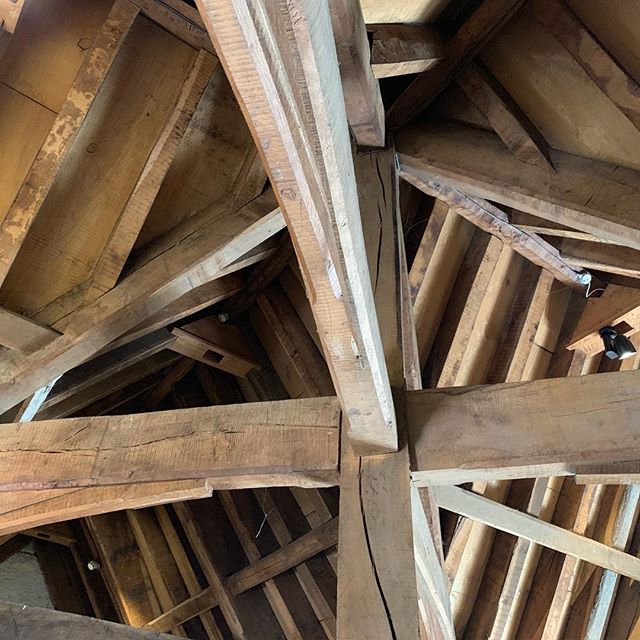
300,319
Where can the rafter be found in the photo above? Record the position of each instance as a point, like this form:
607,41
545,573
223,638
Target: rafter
307,154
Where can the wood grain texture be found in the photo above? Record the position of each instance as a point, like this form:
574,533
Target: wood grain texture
485,21
363,101
523,525
205,255
584,194
295,439
560,426
47,163
489,218
274,79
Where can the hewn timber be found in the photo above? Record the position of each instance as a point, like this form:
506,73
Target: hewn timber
207,254
291,95
601,257
22,334
485,21
494,221
561,426
592,196
523,525
363,101
400,49
45,167
505,116
290,442
20,622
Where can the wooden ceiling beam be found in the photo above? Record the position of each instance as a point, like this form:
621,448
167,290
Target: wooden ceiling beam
268,443
401,49
363,101
489,218
523,525
479,28
581,254
23,334
49,160
561,426
505,116
588,52
290,92
588,195
206,255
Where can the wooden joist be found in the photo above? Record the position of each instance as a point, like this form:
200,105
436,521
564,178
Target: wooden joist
47,164
561,426
23,509
589,195
363,102
207,254
19,621
523,525
400,49
291,95
295,442
22,334
485,21
582,254
507,119
492,220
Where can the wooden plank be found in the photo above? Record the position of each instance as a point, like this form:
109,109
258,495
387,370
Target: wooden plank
107,270
581,254
293,441
22,334
308,157
434,271
523,525
401,49
52,273
505,116
589,53
21,621
108,364
317,540
541,227
203,257
272,590
103,388
24,509
363,101
122,568
624,527
494,221
45,167
589,195
178,18
458,51
225,599
457,435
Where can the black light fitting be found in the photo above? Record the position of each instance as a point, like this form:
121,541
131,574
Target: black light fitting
616,346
